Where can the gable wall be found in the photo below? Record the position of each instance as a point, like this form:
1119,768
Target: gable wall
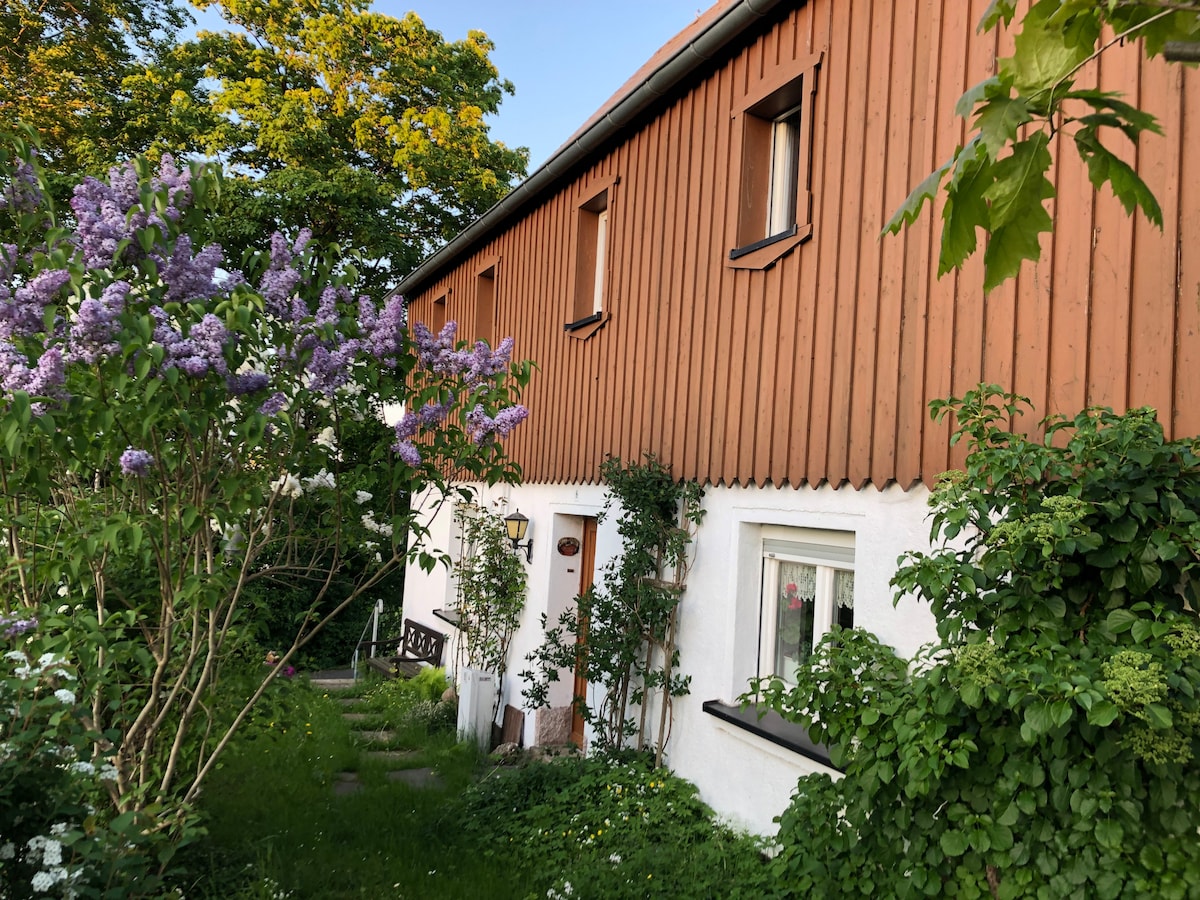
821,367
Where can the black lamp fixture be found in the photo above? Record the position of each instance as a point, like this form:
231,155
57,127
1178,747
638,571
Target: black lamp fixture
517,525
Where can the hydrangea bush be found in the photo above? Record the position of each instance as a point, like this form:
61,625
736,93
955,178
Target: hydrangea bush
169,435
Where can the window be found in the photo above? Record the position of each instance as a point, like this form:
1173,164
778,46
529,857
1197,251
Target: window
807,587
773,200
485,301
438,321
592,288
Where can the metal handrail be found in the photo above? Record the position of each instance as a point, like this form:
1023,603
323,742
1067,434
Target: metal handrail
373,624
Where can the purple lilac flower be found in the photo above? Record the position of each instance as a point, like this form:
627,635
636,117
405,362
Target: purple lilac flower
327,311
329,369
192,277
45,379
23,193
201,351
94,331
279,282
482,362
108,214
408,453
383,332
24,315
12,625
482,426
246,383
436,351
136,462
274,404
406,428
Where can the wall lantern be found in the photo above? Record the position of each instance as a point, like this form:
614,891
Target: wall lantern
517,525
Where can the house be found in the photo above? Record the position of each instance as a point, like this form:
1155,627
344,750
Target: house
698,273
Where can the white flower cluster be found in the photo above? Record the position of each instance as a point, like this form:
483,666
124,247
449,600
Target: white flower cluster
48,664
323,479
287,485
46,853
369,523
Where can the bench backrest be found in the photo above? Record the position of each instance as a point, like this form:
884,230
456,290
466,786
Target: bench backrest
422,642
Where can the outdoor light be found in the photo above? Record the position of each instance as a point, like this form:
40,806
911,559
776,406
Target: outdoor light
517,525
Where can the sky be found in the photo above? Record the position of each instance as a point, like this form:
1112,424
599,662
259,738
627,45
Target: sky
564,57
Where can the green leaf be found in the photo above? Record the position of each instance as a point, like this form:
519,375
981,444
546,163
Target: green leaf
911,208
1017,214
1159,716
1105,167
966,209
998,121
1103,713
1120,620
954,843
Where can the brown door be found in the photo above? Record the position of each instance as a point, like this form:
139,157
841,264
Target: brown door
587,563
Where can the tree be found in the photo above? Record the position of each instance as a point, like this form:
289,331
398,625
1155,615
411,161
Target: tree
368,130
170,435
62,64
997,182
1045,745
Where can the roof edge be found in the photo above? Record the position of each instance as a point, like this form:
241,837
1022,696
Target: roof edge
622,109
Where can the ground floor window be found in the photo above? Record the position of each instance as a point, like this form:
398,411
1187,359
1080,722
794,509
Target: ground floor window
807,587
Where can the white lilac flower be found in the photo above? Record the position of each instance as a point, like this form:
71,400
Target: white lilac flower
8,850
108,772
59,828
62,695
83,767
361,497
287,485
323,479
326,438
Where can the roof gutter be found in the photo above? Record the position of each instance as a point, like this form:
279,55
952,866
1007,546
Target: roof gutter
690,57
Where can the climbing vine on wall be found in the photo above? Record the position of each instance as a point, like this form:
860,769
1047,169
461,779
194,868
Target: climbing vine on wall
622,633
490,579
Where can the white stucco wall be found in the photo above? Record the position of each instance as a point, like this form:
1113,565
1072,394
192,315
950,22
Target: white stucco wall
747,779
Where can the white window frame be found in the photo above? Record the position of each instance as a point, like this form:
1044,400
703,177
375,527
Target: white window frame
601,261
785,172
830,552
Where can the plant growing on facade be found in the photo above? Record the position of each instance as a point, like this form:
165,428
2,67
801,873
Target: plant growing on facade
490,581
621,635
1046,745
169,436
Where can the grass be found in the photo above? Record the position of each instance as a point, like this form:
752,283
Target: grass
276,828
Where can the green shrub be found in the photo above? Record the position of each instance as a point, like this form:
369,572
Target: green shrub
607,828
1046,745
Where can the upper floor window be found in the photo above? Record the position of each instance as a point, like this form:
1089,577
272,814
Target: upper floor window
773,184
485,301
592,287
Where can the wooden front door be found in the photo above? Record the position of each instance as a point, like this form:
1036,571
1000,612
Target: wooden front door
587,563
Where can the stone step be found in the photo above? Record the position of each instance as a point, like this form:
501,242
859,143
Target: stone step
390,756
381,736
357,717
416,778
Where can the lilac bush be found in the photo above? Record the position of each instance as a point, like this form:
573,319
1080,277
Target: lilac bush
170,425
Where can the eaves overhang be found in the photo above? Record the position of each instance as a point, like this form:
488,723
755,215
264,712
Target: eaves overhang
691,49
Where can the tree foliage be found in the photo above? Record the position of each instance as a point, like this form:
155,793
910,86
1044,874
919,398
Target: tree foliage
1046,745
366,129
997,182
170,436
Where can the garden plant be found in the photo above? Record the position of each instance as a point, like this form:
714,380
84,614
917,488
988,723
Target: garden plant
1046,745
170,425
629,620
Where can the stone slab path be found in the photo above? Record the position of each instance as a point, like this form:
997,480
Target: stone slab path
347,783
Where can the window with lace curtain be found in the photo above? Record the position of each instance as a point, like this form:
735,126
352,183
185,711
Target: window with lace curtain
807,587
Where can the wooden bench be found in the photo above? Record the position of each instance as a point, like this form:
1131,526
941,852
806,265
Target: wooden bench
419,644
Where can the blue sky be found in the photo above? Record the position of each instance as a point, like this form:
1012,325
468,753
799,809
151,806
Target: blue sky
565,57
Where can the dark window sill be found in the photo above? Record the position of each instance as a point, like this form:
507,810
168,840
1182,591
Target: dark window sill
448,615
580,323
584,328
765,253
771,727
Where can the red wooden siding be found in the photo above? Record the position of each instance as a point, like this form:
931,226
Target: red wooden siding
820,367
